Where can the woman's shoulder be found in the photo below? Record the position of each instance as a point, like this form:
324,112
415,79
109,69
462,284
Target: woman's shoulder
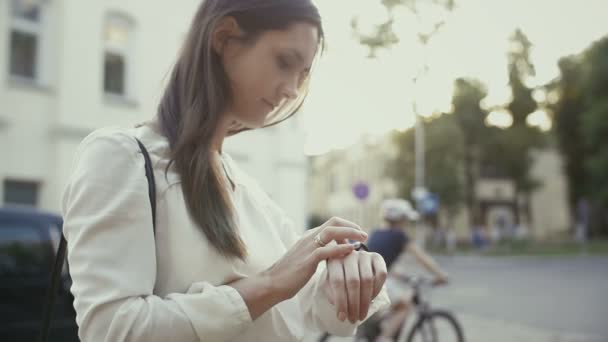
111,135
107,147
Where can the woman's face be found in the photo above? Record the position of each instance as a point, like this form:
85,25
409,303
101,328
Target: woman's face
269,71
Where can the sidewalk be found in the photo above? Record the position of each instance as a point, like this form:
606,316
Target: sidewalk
480,329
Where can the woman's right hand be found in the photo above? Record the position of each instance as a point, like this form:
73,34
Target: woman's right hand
290,273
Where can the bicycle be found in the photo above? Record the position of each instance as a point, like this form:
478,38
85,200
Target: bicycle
431,325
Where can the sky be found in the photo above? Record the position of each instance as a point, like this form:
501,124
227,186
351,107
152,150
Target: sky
352,95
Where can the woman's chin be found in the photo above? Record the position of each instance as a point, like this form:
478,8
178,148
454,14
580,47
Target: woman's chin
259,121
251,124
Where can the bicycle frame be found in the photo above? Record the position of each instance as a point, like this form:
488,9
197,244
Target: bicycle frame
422,307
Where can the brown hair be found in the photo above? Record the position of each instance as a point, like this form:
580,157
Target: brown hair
197,94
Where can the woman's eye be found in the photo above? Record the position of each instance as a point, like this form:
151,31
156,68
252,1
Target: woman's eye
283,64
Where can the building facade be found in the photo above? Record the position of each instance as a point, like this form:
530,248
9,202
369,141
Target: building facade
334,174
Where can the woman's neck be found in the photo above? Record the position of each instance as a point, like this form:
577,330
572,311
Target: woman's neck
220,133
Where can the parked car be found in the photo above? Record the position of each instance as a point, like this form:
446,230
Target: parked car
28,243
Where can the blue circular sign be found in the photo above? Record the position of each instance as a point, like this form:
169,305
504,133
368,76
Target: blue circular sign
429,204
361,190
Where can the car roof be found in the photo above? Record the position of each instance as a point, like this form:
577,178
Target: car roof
30,214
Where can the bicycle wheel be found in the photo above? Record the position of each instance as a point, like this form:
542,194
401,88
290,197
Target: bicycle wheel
436,326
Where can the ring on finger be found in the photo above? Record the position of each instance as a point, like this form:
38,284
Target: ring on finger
318,241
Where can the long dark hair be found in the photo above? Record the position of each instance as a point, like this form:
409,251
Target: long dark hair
196,95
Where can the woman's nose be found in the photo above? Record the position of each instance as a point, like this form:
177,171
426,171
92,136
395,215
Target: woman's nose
290,89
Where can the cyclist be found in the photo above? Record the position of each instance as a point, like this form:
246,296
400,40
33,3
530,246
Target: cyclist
391,241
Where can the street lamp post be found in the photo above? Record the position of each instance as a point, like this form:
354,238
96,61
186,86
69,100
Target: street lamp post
428,27
430,16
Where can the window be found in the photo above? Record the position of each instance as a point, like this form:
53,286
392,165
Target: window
26,29
114,76
118,37
23,250
499,192
20,192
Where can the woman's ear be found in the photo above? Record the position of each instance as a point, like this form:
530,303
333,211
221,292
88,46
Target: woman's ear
225,30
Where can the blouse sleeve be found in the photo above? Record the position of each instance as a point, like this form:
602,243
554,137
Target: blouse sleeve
112,257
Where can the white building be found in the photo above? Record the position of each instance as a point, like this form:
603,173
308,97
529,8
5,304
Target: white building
68,67
335,174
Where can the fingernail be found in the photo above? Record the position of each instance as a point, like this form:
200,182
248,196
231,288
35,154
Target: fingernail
342,316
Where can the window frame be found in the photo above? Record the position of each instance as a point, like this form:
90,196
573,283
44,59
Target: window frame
36,29
35,184
124,49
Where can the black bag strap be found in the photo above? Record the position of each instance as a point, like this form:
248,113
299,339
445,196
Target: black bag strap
151,182
60,258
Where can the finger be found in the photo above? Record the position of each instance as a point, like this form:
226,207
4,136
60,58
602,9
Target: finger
353,285
329,293
340,222
330,252
344,241
339,234
336,281
380,273
366,273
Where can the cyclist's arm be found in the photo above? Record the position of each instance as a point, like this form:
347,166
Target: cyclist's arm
394,271
425,260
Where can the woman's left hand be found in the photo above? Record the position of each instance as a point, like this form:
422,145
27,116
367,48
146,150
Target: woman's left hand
353,282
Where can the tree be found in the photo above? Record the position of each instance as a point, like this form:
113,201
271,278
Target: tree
384,36
469,117
520,69
522,137
595,132
581,126
444,156
567,126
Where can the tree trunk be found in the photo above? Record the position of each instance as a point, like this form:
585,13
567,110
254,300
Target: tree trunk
470,185
528,207
517,213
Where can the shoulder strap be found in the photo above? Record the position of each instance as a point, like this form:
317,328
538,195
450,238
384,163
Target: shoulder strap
151,182
60,257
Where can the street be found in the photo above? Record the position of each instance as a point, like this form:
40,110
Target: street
527,299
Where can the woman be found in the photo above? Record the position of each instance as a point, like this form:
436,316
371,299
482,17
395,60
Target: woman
224,262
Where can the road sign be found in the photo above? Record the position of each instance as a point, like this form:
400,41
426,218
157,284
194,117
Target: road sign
419,192
361,190
429,204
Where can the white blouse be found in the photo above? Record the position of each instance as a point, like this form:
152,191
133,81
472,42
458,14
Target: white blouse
132,285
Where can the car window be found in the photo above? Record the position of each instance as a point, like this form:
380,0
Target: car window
23,250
